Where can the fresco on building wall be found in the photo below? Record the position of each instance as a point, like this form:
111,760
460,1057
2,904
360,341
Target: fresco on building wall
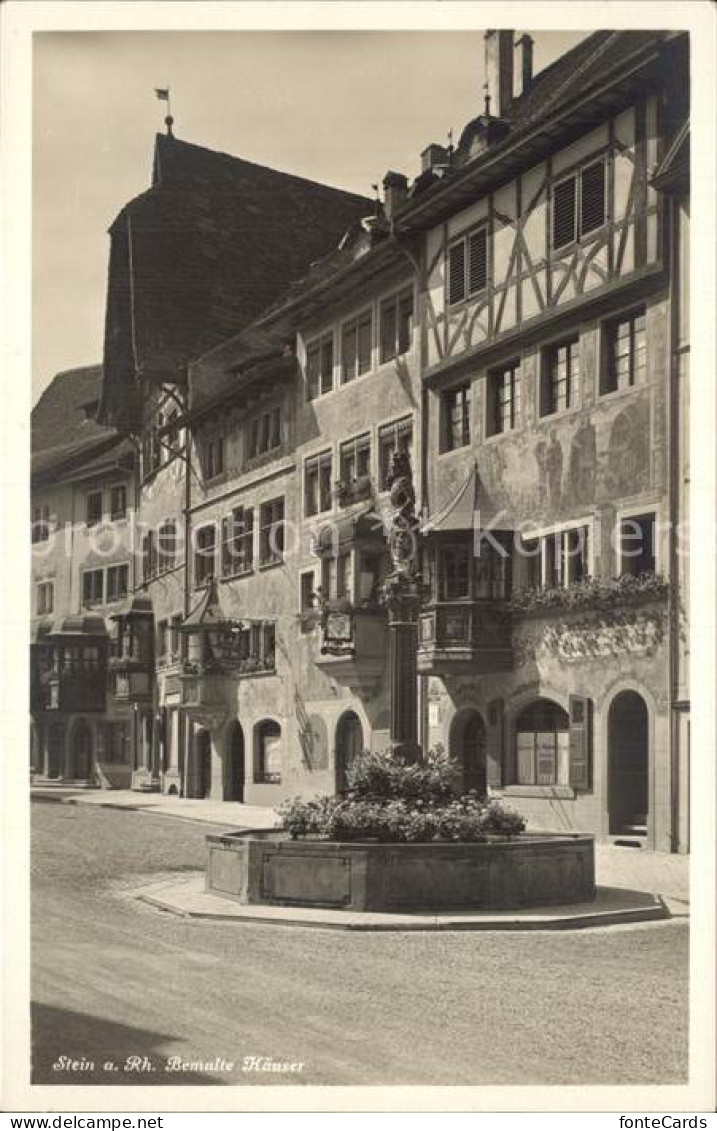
627,468
549,458
582,465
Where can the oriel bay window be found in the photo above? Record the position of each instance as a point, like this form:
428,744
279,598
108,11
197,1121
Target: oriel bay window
391,437
204,554
356,343
475,568
456,413
238,542
560,377
396,316
271,532
317,484
320,366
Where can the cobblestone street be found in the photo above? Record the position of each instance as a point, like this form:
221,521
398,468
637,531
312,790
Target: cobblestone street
113,979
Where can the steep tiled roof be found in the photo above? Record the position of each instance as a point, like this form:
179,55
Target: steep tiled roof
213,242
64,434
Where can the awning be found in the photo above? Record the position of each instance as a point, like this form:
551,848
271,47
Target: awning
459,513
364,525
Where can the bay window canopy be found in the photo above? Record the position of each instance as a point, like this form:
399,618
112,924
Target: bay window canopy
365,526
459,513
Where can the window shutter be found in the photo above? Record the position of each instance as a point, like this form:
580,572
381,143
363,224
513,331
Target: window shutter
592,197
564,213
457,272
494,759
580,711
477,261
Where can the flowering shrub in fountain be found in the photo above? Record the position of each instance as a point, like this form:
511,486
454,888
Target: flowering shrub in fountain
394,801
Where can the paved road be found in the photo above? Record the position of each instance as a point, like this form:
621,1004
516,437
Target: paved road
113,979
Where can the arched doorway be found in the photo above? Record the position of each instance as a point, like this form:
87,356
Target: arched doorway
55,750
233,778
81,752
468,747
349,744
628,764
199,765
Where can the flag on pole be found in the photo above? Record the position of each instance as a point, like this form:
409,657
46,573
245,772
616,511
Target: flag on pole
162,93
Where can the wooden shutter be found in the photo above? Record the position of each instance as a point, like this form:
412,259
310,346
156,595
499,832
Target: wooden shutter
564,209
592,197
457,272
477,261
580,712
494,753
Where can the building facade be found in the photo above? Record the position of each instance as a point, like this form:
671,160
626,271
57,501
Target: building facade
516,319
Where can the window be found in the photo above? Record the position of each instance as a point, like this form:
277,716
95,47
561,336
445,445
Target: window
265,432
171,436
454,573
307,591
317,484
75,658
468,266
355,458
456,407
204,554
161,645
40,524
503,399
214,457
115,742
93,587
556,559
625,353
491,569
637,544
176,638
267,765
118,502
396,325
167,546
45,597
543,744
356,342
238,542
344,576
579,204
271,532
149,557
93,508
117,582
560,377
320,366
391,437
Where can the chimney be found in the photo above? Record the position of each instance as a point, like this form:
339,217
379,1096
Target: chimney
525,43
433,155
499,70
395,192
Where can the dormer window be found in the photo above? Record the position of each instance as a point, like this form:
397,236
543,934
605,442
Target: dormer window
468,266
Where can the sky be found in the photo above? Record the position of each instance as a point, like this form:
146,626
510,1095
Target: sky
338,107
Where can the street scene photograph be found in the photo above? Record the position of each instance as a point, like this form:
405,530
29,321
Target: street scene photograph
360,622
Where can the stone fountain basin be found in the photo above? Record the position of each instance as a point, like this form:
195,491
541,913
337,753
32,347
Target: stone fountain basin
498,875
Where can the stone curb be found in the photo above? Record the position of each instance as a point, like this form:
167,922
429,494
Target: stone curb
189,899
